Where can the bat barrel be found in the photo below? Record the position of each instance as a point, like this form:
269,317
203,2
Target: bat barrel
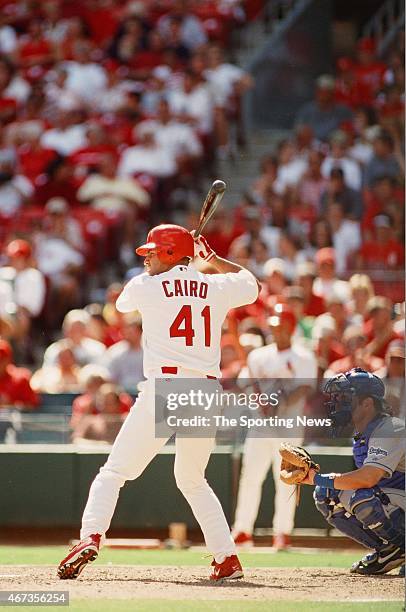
219,186
210,204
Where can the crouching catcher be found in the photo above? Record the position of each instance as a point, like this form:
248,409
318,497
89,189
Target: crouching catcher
367,504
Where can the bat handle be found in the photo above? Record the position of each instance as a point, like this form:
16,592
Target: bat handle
199,230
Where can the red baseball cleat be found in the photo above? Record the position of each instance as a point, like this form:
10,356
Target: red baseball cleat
243,538
281,541
79,555
230,569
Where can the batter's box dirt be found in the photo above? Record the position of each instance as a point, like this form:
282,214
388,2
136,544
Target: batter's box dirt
132,582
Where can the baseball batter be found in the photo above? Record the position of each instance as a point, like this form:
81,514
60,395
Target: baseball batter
367,504
182,314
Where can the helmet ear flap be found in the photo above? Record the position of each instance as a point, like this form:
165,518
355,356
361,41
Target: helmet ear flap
167,255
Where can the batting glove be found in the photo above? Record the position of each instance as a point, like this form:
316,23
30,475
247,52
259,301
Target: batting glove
203,249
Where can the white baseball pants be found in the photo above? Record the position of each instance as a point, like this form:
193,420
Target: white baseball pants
259,455
133,449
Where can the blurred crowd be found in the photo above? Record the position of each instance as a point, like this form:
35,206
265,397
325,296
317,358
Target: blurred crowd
112,114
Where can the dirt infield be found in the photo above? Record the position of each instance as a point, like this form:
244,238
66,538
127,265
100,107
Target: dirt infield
191,583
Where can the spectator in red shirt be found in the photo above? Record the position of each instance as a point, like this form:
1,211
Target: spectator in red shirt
35,51
222,230
379,328
102,17
91,378
253,315
15,388
391,109
145,61
57,183
383,251
86,160
354,343
99,329
106,423
314,304
328,348
350,90
383,197
369,72
33,157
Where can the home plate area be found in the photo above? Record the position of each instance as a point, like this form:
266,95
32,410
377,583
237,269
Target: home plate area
192,583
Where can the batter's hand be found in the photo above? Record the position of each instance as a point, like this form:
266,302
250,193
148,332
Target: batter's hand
202,248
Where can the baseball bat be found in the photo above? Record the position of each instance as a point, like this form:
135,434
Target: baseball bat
213,199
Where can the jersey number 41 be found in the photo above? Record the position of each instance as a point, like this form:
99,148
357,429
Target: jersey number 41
182,326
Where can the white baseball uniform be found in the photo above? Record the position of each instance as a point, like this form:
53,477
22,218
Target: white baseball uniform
182,313
262,452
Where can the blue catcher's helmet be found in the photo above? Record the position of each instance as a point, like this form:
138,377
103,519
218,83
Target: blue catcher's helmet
343,388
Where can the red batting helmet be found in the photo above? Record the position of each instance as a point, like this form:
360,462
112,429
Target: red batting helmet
170,242
18,248
282,314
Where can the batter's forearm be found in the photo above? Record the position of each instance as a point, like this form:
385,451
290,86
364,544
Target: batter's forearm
224,265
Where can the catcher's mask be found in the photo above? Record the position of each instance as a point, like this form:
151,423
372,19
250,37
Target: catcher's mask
342,391
171,243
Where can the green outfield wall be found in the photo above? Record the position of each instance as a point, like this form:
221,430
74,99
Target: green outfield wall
47,487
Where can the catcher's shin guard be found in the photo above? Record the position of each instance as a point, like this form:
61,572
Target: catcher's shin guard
349,525
370,511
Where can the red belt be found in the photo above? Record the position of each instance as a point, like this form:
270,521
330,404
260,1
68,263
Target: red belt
174,370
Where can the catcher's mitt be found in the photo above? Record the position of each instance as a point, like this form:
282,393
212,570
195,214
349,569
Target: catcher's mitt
295,464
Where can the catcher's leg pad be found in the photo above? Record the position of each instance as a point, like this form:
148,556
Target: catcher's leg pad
368,508
336,515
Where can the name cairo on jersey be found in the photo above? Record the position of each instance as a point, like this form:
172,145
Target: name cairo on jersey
184,288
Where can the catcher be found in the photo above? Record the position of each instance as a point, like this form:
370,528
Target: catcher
367,504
